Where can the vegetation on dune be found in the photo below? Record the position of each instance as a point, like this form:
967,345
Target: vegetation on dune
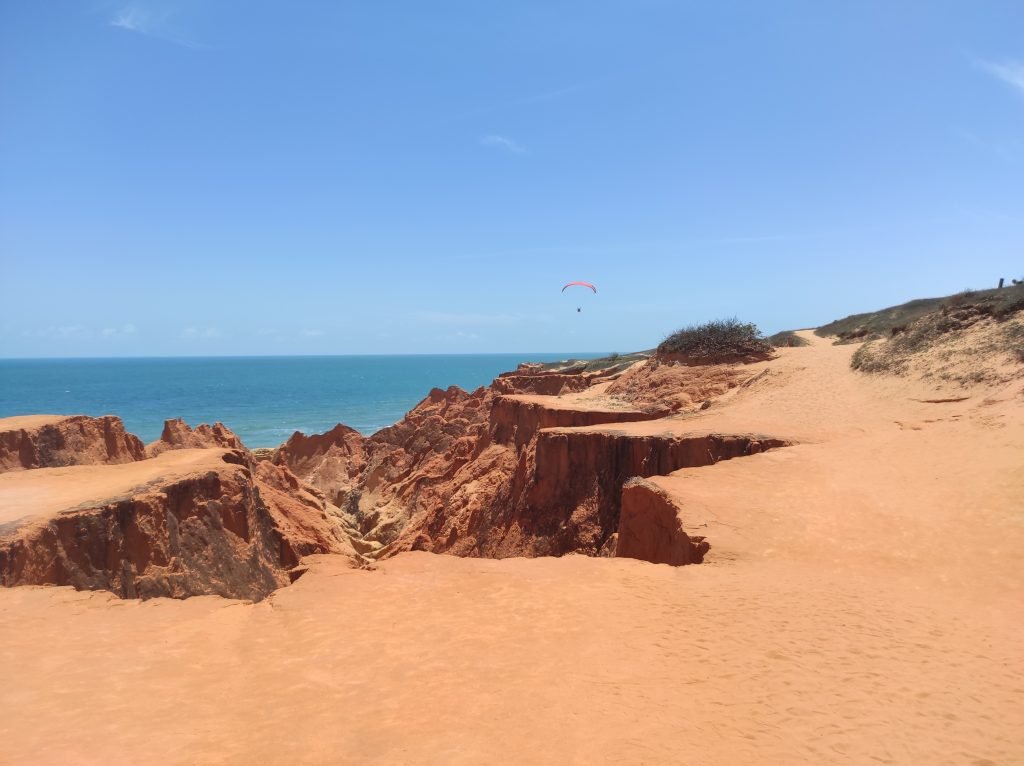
720,340
873,325
787,339
999,316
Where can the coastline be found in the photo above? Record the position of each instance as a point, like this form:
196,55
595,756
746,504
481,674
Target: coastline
263,399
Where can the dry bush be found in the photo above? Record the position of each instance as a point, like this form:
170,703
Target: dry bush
720,340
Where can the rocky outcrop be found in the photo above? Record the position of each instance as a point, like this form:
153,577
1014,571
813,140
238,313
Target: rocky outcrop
650,528
333,462
178,435
549,385
676,387
53,441
516,421
220,530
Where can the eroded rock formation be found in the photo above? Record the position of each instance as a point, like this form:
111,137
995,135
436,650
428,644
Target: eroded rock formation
178,435
47,441
650,528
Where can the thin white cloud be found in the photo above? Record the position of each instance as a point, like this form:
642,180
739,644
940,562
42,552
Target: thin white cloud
1009,72
503,143
146,20
124,331
201,332
459,336
313,333
134,20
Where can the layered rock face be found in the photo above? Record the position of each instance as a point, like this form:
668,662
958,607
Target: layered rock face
205,533
195,519
48,441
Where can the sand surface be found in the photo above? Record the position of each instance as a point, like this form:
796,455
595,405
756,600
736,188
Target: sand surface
575,660
29,421
862,603
29,495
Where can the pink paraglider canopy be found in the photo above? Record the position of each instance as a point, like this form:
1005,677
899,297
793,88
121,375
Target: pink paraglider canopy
580,284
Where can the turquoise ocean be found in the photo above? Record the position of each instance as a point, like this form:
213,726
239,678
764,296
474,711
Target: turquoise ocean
262,399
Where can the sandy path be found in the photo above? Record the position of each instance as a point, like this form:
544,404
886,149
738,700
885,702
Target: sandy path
807,394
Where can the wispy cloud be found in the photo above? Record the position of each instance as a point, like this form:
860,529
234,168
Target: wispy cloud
312,333
153,22
504,143
201,332
124,331
1009,72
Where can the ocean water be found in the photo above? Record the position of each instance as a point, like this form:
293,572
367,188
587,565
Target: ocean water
262,399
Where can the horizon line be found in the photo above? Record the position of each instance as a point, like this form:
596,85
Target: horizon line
295,356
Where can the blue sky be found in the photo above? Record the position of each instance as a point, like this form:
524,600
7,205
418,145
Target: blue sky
254,177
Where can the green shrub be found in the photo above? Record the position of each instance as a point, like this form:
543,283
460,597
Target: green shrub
717,341
787,339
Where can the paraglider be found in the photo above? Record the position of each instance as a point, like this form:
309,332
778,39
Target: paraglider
579,284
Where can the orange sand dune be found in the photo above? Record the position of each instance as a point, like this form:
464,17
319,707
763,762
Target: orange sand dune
862,603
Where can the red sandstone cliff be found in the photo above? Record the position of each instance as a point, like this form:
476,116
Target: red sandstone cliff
45,441
201,523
